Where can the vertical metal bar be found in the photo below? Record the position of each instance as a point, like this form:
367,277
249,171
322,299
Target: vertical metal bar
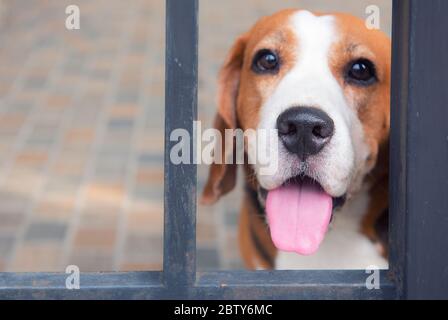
419,149
179,265
398,141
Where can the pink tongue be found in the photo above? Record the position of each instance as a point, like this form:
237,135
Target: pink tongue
298,216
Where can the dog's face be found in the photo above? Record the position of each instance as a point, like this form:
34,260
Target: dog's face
323,81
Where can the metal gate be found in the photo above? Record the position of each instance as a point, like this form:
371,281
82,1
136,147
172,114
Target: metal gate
418,186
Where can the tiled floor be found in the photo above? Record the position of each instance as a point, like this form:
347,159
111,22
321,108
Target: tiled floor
81,136
81,131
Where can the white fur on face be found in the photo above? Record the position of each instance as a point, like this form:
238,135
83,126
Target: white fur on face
311,83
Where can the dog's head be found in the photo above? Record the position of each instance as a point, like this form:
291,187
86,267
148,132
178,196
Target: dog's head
322,81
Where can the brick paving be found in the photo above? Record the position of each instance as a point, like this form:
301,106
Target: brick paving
81,132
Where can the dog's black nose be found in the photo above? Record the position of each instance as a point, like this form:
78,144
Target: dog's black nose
304,131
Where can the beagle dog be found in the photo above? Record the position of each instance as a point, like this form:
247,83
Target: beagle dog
323,82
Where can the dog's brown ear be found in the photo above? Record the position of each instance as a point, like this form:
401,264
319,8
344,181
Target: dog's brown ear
222,177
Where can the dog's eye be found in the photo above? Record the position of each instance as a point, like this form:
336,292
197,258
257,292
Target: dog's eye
265,61
361,72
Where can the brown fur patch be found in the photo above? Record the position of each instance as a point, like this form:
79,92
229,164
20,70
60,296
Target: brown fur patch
371,103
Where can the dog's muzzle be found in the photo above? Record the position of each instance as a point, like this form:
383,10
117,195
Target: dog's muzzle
304,131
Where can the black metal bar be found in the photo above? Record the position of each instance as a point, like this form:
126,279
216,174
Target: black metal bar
243,285
179,265
292,285
127,285
398,140
419,149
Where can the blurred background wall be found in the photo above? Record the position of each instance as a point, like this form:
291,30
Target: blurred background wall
81,130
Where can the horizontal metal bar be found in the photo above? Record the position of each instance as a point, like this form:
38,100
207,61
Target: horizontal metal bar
295,285
243,285
116,285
